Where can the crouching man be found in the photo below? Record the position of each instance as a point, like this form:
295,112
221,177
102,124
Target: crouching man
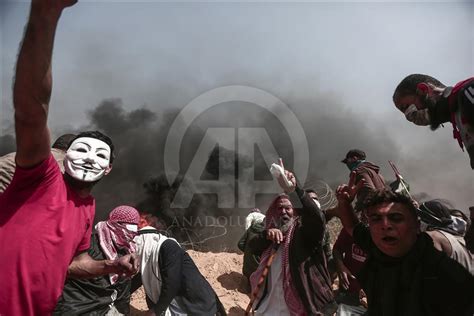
172,282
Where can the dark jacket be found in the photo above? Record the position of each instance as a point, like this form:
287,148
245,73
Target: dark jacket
251,259
182,281
373,181
308,263
93,296
423,282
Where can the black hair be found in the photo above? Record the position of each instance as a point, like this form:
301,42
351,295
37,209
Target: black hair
409,85
63,141
378,197
100,136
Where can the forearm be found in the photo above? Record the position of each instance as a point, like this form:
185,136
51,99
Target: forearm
90,268
347,216
33,80
33,84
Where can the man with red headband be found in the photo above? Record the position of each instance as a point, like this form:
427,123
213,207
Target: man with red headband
426,101
112,239
297,280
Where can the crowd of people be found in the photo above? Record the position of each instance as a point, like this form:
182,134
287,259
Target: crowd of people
394,256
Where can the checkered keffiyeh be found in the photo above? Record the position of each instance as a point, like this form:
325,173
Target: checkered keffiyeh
114,235
292,299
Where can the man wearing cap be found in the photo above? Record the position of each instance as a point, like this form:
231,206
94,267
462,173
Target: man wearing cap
110,293
364,170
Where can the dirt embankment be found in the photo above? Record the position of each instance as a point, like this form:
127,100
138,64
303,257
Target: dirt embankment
222,271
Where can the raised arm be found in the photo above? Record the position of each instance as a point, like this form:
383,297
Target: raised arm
313,223
345,195
33,82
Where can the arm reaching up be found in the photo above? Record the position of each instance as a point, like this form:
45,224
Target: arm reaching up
33,82
345,194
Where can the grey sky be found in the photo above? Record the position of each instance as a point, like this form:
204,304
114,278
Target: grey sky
162,54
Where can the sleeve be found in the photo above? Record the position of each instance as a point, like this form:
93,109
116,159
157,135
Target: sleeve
47,171
312,219
362,238
170,263
243,241
258,242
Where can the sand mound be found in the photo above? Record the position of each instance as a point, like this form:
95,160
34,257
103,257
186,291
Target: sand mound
223,272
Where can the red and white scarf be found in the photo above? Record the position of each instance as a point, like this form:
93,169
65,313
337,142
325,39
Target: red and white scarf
292,299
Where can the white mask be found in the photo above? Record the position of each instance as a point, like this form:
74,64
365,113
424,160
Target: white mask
317,203
87,159
132,227
418,117
458,225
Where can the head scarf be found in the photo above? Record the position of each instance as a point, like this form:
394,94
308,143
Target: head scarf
440,217
292,299
114,235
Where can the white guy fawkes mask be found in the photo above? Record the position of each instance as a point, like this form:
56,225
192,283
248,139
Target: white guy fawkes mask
87,159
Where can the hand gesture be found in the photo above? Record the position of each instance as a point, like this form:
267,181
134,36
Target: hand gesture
128,264
275,235
344,275
346,193
291,178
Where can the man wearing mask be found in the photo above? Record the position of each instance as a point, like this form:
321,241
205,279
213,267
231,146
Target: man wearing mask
46,217
108,294
364,170
426,101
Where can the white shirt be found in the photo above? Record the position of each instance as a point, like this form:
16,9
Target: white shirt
273,304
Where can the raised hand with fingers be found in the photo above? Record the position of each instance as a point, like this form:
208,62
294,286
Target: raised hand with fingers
286,179
346,193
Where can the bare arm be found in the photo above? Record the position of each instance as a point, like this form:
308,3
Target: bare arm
33,82
440,242
84,267
345,195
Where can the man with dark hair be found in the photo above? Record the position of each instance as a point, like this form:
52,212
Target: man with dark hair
407,272
293,276
425,101
108,294
8,165
46,218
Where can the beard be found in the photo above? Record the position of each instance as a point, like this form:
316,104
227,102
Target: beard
285,223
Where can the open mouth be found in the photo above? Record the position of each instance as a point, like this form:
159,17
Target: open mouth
389,240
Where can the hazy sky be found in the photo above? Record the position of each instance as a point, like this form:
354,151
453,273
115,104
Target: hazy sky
164,54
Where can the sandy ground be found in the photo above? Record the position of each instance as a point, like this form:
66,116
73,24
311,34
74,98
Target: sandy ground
222,271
